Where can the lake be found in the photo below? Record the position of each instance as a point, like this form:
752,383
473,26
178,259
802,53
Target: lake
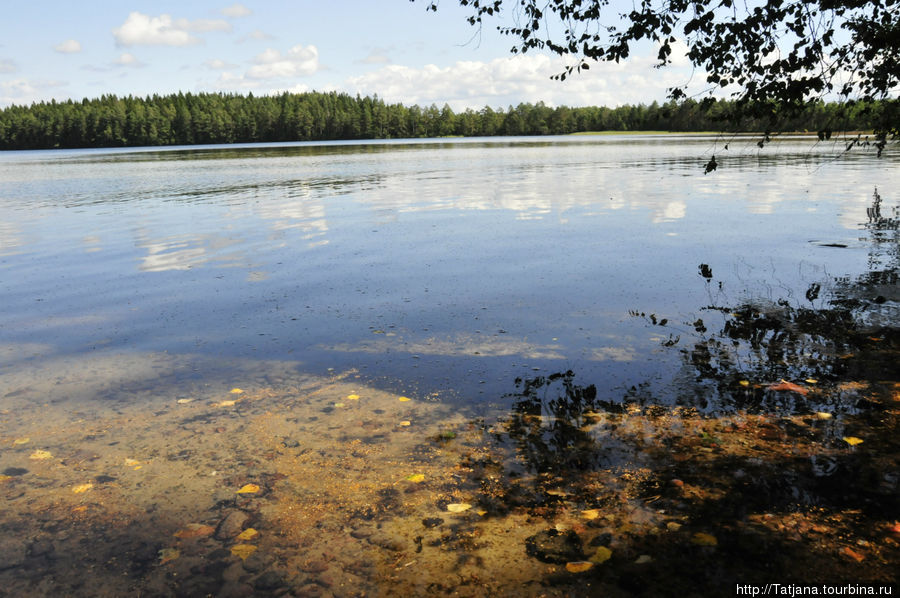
181,323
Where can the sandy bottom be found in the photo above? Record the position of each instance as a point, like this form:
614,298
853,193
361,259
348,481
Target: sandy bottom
138,476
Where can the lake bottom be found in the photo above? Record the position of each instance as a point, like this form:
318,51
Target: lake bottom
259,480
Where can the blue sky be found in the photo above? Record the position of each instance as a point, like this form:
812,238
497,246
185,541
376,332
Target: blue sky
393,48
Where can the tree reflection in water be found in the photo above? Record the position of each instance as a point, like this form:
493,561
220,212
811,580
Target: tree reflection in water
761,442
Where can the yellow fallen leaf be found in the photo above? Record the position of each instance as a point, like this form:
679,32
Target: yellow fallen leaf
248,489
852,555
132,462
243,550
403,399
40,455
405,423
852,440
225,403
236,391
578,566
481,512
80,509
247,534
25,440
811,381
195,530
352,397
338,405
744,383
458,507
823,415
168,554
136,467
590,514
602,555
82,488
183,401
703,539
5,478
415,477
673,526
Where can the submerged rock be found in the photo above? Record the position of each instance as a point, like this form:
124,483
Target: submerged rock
552,546
232,525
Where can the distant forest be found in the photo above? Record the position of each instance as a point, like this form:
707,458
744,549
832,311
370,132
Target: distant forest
185,119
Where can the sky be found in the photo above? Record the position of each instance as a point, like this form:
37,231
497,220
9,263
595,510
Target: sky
396,49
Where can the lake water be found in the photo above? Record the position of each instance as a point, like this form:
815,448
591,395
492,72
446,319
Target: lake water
139,287
436,267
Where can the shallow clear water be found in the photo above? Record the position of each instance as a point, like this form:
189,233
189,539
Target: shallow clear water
449,267
203,352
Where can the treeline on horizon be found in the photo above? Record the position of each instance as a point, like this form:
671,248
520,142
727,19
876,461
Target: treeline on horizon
187,119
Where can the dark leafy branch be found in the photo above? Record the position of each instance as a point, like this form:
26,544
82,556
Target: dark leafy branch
774,54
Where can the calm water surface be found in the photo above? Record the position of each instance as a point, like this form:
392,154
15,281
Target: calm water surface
448,267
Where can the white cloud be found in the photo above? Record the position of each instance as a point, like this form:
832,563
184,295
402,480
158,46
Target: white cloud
7,66
236,10
256,35
217,65
298,61
70,46
521,78
24,91
230,81
128,59
377,56
143,30
203,25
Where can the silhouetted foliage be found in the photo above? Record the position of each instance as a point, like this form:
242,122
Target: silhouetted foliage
772,56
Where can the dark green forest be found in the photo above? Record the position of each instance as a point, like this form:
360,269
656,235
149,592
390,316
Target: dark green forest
186,119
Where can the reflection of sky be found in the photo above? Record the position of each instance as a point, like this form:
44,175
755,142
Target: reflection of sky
10,238
299,253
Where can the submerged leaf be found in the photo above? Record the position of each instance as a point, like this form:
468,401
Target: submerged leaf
168,554
458,507
236,391
602,555
789,386
243,550
248,489
744,383
228,403
82,488
415,477
22,440
247,534
40,455
823,415
590,514
852,440
852,555
132,462
403,399
578,566
405,423
703,539
195,530
352,397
